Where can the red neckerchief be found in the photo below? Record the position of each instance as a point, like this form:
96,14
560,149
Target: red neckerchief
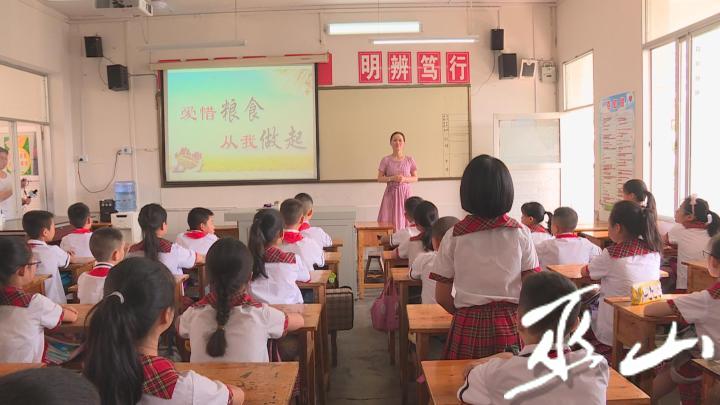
472,224
714,290
537,229
236,300
195,234
304,226
418,236
695,225
81,231
14,297
100,270
636,247
159,376
164,247
292,237
570,235
275,255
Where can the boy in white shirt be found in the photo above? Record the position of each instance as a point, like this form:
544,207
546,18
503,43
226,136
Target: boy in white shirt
108,248
489,379
404,235
421,268
202,231
313,232
310,252
78,241
567,247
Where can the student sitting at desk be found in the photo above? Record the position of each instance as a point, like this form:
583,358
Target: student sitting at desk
636,190
487,383
24,317
404,234
425,216
78,241
312,232
701,308
108,248
121,355
202,231
423,264
533,214
293,241
227,325
566,247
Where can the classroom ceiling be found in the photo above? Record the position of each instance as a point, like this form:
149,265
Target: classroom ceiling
82,9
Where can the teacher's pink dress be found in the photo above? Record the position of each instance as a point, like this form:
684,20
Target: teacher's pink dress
392,207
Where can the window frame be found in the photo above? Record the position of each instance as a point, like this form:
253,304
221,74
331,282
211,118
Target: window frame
565,81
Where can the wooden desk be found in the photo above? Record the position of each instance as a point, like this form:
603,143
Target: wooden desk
201,277
263,383
711,375
37,286
573,272
367,236
332,262
99,225
631,326
445,377
596,226
425,320
391,260
337,243
401,278
9,368
227,231
79,268
699,277
318,283
308,355
600,238
179,289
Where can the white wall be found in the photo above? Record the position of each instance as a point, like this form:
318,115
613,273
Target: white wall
612,29
35,37
108,120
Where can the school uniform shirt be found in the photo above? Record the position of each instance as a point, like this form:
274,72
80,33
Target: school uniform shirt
91,283
163,385
51,259
485,258
247,330
197,241
317,234
403,235
411,249
617,268
309,251
283,270
77,241
701,308
24,318
172,255
691,239
566,248
487,383
420,270
539,234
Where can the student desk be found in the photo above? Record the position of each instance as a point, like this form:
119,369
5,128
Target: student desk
318,282
424,320
401,278
9,368
711,375
698,276
99,225
391,260
367,236
332,263
631,326
573,272
596,226
227,231
337,243
263,383
445,377
79,268
599,238
37,286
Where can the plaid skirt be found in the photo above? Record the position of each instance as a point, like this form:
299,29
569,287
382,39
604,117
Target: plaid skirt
600,347
482,331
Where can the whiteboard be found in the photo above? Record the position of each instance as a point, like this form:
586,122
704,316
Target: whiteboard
355,126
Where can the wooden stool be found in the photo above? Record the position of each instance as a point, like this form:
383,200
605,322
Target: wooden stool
375,276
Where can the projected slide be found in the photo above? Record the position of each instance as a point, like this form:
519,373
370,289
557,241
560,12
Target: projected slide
240,124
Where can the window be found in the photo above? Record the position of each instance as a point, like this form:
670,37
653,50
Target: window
578,82
663,17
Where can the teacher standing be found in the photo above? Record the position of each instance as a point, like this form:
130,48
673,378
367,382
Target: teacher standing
398,171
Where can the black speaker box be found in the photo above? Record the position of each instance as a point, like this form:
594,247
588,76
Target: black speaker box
507,65
107,208
497,39
93,47
117,77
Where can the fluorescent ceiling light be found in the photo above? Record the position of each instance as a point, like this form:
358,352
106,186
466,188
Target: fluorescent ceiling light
194,45
405,41
365,28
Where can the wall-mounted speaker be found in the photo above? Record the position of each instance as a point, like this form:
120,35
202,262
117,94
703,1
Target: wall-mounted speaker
93,47
118,77
497,39
507,65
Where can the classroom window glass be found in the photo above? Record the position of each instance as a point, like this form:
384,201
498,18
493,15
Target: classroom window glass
663,17
578,82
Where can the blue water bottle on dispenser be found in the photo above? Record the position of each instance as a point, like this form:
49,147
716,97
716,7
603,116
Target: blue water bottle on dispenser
125,196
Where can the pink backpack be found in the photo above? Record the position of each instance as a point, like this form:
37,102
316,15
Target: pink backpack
384,311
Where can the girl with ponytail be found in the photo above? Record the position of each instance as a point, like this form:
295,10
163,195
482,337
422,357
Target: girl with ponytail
425,215
533,215
696,225
122,343
153,222
636,190
239,327
634,258
274,272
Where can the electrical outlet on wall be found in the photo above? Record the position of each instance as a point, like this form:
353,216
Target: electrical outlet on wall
125,150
